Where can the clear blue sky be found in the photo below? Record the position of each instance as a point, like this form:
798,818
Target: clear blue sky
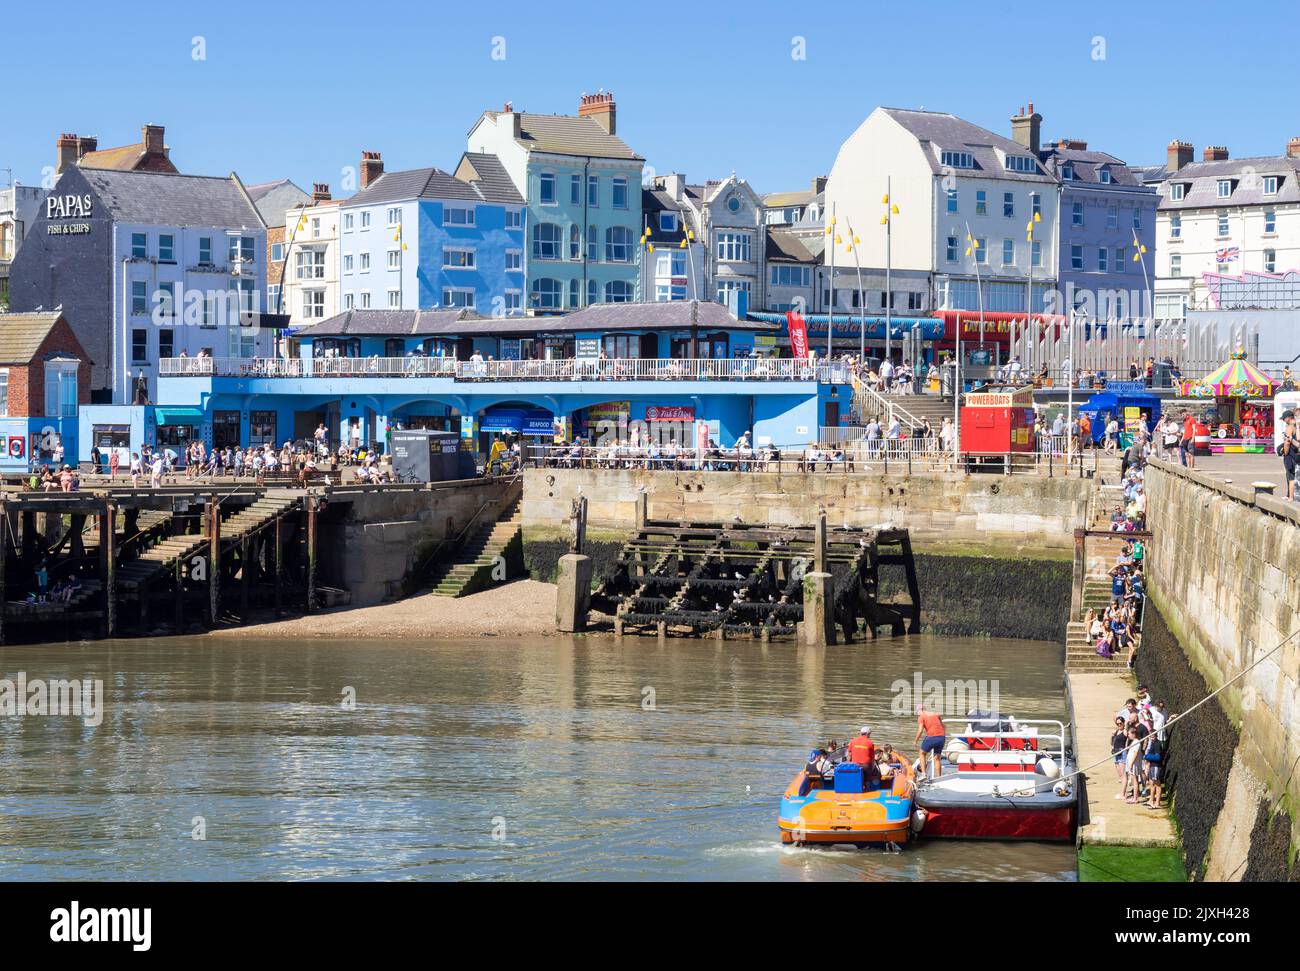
298,90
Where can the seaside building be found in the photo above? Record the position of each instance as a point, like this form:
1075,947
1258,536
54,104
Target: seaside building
582,187
948,179
425,239
19,206
307,260
272,199
147,265
366,372
1107,219
44,377
1223,216
150,154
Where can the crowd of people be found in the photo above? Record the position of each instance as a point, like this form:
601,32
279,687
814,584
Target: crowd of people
1140,749
878,762
46,479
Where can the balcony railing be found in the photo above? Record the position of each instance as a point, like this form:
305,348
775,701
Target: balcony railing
571,369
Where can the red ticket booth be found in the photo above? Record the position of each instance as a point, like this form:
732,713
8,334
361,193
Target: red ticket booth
998,421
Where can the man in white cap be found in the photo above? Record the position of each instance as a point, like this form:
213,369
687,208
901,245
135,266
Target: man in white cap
862,749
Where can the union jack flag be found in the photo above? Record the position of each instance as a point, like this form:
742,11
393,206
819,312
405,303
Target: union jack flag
1227,254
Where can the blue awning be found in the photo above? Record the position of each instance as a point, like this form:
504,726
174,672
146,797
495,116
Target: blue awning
178,416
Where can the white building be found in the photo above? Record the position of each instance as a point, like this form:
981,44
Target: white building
19,206
947,177
309,288
1223,216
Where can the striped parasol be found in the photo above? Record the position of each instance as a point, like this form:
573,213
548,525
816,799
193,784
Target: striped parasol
1238,378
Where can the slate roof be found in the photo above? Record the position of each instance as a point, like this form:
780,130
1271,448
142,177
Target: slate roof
489,176
389,323
655,201
433,183
939,131
166,199
21,335
785,246
274,198
569,135
1087,167
780,200
669,315
1246,176
126,158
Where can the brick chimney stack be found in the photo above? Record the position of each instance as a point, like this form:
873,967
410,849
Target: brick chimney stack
1026,128
1179,154
152,138
599,106
1072,144
1293,148
372,167
320,192
1214,153
65,147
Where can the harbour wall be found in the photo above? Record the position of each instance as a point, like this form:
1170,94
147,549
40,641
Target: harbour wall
993,553
1225,587
372,542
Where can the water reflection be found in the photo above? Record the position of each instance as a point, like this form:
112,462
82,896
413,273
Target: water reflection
484,759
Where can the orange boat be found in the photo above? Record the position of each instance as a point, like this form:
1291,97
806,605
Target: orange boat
841,809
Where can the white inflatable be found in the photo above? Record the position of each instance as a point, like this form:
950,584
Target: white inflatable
955,748
918,820
1048,767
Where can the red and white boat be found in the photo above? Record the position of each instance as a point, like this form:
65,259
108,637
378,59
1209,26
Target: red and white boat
1013,780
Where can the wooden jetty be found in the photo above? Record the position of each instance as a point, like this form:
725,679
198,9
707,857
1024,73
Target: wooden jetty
131,560
737,580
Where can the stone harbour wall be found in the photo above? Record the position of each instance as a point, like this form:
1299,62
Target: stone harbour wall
1225,579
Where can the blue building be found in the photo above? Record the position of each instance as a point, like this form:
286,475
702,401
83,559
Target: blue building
1107,217
677,370
424,239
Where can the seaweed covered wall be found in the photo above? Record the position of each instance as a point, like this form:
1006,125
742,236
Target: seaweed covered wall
1225,584
984,596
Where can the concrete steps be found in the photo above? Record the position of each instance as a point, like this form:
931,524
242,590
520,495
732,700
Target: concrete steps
471,568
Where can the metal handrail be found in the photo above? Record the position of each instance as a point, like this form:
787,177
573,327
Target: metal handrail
567,369
513,486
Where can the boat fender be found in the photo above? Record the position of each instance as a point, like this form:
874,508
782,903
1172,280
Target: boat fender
955,748
918,820
1062,788
1048,767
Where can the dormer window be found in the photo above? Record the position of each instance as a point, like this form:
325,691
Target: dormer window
668,222
1067,172
1176,191
957,160
1021,163
1270,185
1224,188
1103,176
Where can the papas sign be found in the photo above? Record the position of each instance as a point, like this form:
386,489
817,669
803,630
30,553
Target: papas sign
68,207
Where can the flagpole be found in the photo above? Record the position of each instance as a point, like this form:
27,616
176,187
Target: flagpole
830,311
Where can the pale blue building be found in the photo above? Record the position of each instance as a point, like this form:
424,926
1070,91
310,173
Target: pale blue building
425,239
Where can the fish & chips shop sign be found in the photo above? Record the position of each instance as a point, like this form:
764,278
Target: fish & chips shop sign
68,207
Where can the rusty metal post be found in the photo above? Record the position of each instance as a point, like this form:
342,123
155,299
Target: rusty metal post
4,555
279,567
310,502
243,579
213,512
108,566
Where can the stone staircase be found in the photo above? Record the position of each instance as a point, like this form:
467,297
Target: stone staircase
470,568
1102,552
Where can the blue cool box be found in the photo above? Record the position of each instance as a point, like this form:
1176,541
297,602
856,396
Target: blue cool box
848,777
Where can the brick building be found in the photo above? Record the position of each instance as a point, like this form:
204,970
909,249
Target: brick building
44,378
150,154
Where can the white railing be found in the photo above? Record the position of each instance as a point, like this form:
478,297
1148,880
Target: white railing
571,369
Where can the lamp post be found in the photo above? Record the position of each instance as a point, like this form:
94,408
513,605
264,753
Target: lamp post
832,239
854,246
972,250
1034,219
887,220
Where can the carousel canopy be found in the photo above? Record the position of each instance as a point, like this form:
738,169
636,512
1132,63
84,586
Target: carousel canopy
1238,378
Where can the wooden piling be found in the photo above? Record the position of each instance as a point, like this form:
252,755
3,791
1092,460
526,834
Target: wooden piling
108,566
310,504
213,512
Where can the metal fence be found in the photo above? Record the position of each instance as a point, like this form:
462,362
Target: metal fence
570,369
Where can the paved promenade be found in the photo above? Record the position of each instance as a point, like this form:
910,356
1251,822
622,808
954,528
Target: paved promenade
1098,695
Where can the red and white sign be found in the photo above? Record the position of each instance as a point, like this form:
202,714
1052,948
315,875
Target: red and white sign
798,335
17,446
670,413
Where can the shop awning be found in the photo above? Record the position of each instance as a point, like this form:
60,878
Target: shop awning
178,416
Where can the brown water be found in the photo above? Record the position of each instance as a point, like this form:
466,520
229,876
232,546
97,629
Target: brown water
484,759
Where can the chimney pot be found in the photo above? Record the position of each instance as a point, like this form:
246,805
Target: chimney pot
599,107
152,139
1293,148
1026,129
320,192
1215,153
1179,154
65,148
372,167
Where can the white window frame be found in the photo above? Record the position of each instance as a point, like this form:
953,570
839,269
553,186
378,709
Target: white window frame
1177,191
450,293
459,216
465,253
1223,188
395,299
1270,185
